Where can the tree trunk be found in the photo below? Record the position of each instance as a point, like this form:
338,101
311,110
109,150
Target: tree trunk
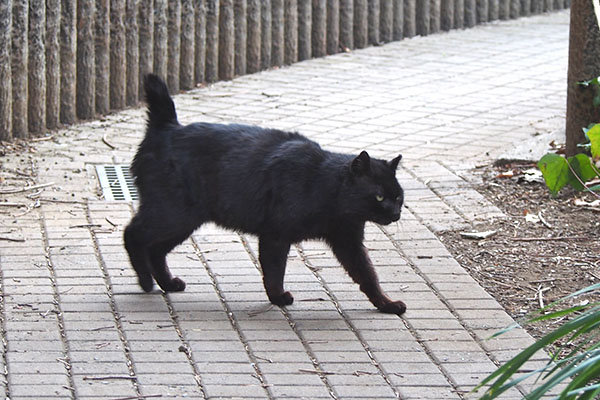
333,26
470,13
304,30
435,9
117,54
160,38
361,21
212,40
374,7
173,44
386,22
422,17
132,54
266,16
241,36
19,68
37,67
346,24
226,40
102,57
398,32
319,32
253,36
86,60
447,15
584,64
199,41
410,18
291,31
146,45
277,33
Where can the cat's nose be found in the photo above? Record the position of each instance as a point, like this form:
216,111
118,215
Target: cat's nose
395,216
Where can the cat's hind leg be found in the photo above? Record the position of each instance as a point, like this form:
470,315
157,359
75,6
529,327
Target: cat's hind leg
158,260
136,247
272,254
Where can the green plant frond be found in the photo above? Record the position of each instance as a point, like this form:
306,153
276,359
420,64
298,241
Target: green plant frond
555,171
495,391
580,171
594,136
588,392
556,314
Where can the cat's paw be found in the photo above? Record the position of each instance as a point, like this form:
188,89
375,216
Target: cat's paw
174,285
284,299
147,283
394,307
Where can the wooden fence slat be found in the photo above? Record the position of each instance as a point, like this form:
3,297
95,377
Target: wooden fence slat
173,44
525,8
305,30
346,24
537,6
266,17
253,25
102,57
459,14
361,22
212,40
493,10
19,68
226,40
422,17
117,54
319,31
277,33
548,5
470,13
291,32
199,41
146,42
5,71
447,15
241,36
374,8
410,18
52,63
188,45
37,67
398,32
482,11
333,26
67,62
435,9
160,38
132,54
386,22
86,60
504,9
515,9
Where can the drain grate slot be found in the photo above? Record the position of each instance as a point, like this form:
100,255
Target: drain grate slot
116,182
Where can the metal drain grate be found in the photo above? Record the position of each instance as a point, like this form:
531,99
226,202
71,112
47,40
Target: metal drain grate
116,182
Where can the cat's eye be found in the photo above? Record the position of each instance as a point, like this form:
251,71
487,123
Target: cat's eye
378,197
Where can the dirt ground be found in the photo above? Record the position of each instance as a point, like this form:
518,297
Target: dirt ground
545,249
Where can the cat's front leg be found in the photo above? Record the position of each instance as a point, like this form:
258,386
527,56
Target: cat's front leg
353,256
272,254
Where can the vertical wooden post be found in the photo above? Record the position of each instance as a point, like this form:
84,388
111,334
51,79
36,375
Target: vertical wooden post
200,41
470,13
304,30
515,9
398,31
266,17
160,38
537,6
291,31
447,15
525,8
186,63
117,54
67,62
212,40
361,24
459,14
435,9
52,63
132,54
5,71
386,22
226,40
493,10
333,26
423,18
346,24
410,18
19,68
146,42
37,67
548,5
373,21
277,33
102,57
504,9
319,32
482,11
241,36
253,36
173,44
86,60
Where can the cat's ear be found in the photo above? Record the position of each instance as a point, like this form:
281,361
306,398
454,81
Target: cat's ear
393,164
361,163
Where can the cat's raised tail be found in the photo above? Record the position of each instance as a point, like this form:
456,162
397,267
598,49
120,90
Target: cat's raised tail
161,109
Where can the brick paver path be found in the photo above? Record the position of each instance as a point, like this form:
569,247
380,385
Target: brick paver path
76,325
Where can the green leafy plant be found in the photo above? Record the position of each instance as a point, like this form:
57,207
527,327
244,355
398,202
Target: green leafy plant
577,170
578,371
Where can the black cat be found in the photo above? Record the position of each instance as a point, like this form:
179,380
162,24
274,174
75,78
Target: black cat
277,185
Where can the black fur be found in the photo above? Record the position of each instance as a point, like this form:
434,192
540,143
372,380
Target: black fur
277,185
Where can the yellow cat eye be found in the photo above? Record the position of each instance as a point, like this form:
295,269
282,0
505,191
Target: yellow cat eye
378,197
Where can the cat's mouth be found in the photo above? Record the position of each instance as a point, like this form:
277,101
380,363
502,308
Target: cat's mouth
388,219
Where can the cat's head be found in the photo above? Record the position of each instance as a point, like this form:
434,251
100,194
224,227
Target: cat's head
371,191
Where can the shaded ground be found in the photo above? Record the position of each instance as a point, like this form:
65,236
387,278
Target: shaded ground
547,247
